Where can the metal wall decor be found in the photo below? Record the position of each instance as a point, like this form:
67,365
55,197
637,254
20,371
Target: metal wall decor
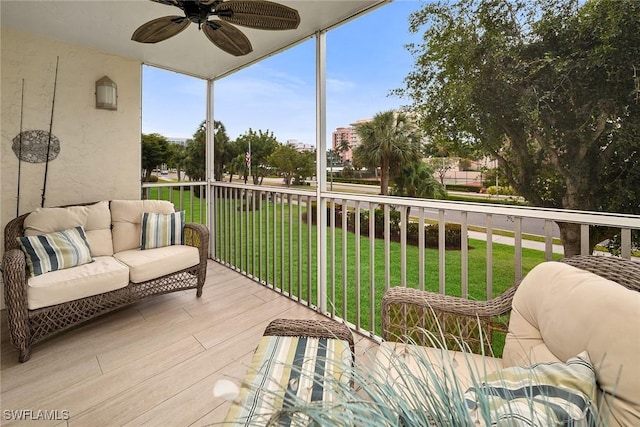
34,146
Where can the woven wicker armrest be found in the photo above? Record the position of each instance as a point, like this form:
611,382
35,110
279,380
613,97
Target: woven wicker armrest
14,277
422,316
197,235
622,271
311,329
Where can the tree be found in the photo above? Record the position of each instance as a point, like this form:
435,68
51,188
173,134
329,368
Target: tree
154,152
343,147
441,166
196,157
177,157
224,151
548,88
262,145
388,140
305,166
415,179
196,162
238,166
291,164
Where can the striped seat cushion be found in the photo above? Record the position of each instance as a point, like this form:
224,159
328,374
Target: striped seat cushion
56,251
543,394
160,230
287,371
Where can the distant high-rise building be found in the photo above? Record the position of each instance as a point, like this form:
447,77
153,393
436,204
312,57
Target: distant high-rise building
179,141
346,137
300,146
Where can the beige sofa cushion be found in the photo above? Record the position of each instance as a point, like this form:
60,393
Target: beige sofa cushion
394,361
126,216
153,263
95,219
569,310
104,274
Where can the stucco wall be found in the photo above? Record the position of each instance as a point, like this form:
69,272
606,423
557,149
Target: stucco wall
99,149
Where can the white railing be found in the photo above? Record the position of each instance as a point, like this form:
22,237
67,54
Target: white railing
187,196
270,235
265,233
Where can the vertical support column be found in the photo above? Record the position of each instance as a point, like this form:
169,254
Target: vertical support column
321,167
625,243
210,131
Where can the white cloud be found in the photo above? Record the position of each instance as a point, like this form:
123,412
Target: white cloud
337,85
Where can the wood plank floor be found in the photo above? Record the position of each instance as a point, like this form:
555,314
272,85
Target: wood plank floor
152,363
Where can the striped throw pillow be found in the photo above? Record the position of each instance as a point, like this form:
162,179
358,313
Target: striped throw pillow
543,394
160,230
56,251
290,371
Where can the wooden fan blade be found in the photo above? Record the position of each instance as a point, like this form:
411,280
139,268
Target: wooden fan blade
227,37
160,29
262,15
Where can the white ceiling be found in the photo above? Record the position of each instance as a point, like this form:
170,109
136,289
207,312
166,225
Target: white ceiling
107,25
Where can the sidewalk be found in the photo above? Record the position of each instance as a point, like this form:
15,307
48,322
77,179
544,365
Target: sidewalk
530,244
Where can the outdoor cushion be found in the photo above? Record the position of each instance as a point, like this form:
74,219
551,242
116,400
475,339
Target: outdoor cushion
153,263
94,219
159,230
104,274
408,367
126,216
569,310
55,251
544,394
282,371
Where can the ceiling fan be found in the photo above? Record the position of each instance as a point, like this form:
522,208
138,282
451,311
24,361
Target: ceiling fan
259,14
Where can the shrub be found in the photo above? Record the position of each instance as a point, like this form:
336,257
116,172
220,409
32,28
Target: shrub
501,190
394,222
452,235
452,238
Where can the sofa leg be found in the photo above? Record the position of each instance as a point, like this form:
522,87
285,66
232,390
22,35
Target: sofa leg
199,292
25,354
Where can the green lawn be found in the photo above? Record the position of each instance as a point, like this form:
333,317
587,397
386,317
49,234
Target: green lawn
195,209
283,260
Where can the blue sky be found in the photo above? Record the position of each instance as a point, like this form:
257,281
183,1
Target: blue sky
366,59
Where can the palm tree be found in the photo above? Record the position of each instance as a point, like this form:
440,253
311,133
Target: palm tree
179,158
343,147
387,141
415,179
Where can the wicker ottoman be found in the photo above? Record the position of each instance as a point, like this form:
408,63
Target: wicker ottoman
295,363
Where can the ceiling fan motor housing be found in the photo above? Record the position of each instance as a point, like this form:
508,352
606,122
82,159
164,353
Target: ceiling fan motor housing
199,12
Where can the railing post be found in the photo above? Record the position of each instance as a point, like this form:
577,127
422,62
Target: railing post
321,168
210,158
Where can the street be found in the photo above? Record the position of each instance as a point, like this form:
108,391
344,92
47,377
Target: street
500,222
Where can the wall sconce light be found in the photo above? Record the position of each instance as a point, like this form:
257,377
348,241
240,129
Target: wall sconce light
106,94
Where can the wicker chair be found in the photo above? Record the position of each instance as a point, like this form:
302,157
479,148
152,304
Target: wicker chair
420,316
28,327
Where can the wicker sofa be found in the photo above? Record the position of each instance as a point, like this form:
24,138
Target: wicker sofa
119,273
560,309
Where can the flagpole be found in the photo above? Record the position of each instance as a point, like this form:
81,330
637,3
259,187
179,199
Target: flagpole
249,159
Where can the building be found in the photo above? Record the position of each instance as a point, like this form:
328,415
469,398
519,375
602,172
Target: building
300,146
179,141
349,135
